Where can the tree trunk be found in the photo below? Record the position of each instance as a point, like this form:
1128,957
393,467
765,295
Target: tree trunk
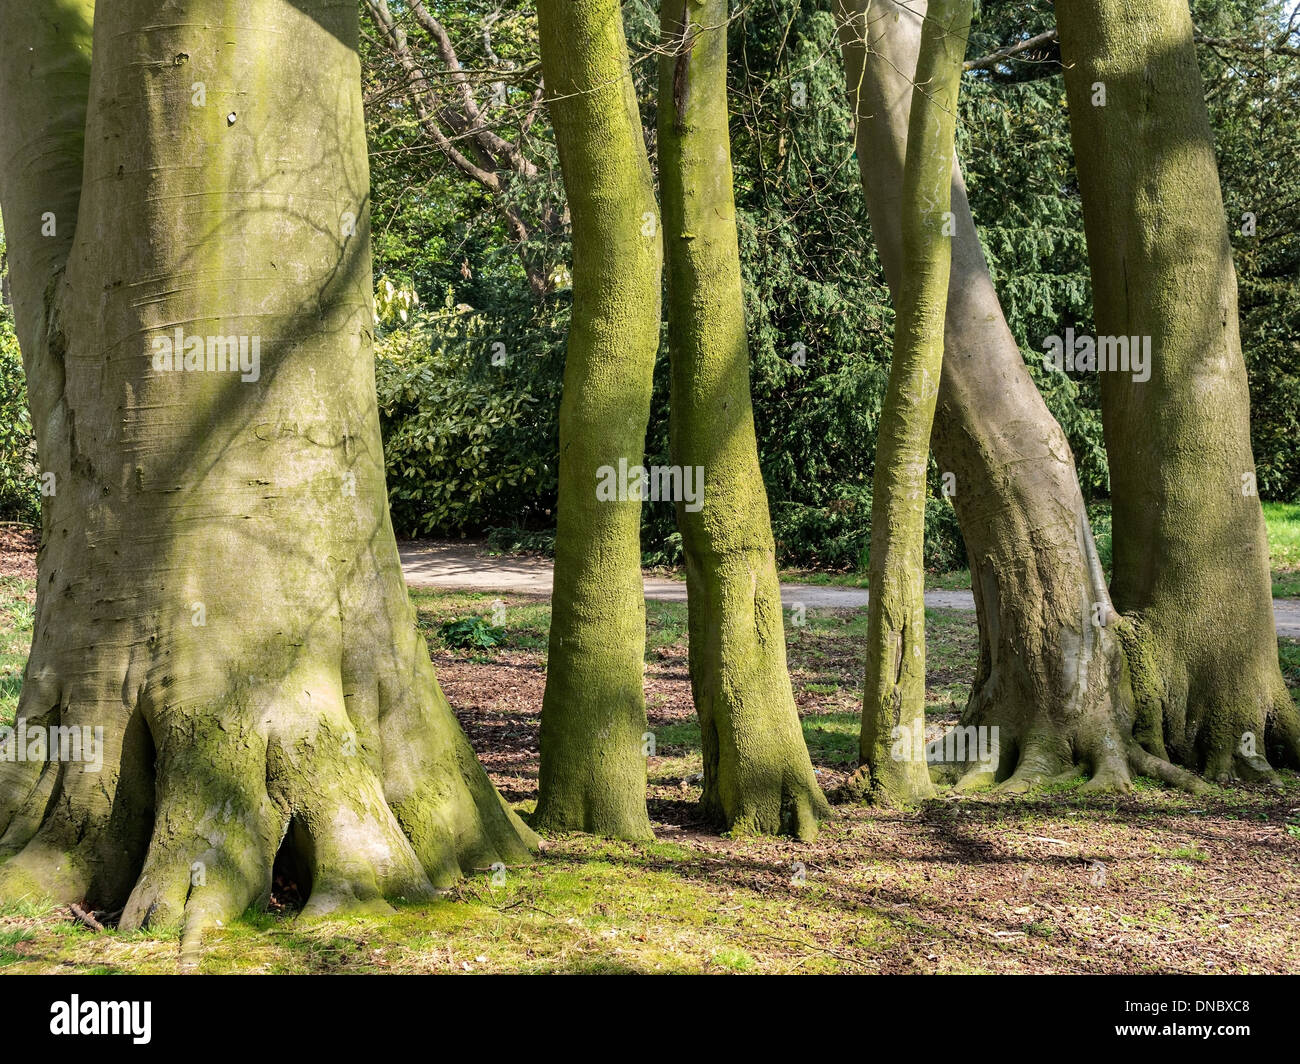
219,587
757,774
1052,674
893,697
1190,549
593,736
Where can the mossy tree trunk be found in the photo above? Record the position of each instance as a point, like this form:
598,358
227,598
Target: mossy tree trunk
219,587
1052,676
593,736
893,703
1190,549
757,774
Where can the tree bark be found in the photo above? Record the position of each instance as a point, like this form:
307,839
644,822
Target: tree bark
758,777
893,702
219,587
594,729
1052,673
1190,549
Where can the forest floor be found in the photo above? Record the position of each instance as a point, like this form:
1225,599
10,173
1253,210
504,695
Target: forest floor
1061,881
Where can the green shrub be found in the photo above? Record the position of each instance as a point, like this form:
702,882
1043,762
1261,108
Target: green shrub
1099,518
838,535
469,420
515,540
20,498
471,633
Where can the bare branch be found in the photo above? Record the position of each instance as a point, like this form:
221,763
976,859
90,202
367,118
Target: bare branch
494,143
419,93
1277,46
1002,54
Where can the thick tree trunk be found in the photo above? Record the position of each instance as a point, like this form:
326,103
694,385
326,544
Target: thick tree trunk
219,587
1190,550
1052,674
593,739
757,774
893,700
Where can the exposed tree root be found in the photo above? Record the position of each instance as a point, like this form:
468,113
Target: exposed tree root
1137,729
370,785
896,791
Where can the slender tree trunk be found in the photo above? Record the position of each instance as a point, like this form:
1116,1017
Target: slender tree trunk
1051,676
593,739
757,774
893,702
40,183
219,588
1190,550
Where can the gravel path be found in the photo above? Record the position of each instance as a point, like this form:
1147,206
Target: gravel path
454,565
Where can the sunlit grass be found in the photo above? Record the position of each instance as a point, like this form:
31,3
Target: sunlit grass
16,617
1283,521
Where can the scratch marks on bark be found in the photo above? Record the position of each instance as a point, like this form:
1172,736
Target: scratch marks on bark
682,74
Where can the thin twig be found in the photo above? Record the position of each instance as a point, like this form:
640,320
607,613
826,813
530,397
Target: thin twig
86,918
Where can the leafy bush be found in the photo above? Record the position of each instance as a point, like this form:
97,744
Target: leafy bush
945,550
838,535
516,540
469,419
473,448
471,633
835,535
1099,518
20,498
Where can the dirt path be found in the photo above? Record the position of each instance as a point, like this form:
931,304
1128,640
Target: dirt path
469,567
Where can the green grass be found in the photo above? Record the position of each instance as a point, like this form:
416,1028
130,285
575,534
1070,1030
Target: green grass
1288,653
527,621
1281,518
832,738
1283,522
16,618
593,906
926,891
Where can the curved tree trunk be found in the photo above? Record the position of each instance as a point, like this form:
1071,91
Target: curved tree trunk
1052,673
219,587
757,774
593,736
893,702
1190,549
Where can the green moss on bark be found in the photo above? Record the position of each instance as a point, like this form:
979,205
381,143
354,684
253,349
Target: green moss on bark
758,777
1191,564
593,736
219,588
894,692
